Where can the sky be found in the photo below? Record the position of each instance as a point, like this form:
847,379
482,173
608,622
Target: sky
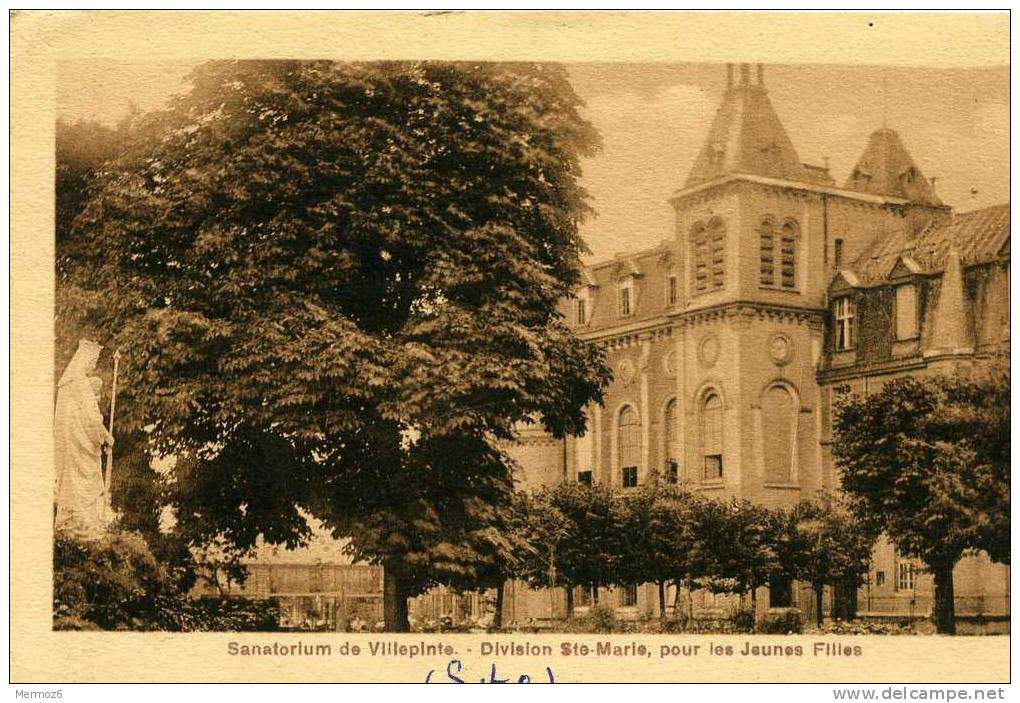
653,119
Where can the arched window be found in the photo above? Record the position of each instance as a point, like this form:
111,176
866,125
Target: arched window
711,437
778,417
629,446
671,445
778,252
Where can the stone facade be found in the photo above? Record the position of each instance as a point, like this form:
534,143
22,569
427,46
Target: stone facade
724,340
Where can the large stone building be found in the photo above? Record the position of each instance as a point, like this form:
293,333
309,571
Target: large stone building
778,291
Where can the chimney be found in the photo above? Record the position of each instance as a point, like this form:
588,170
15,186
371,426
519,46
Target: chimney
761,75
950,332
729,76
745,74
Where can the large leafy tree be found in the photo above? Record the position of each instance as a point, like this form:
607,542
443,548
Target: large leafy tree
928,461
658,534
578,538
828,545
335,288
740,547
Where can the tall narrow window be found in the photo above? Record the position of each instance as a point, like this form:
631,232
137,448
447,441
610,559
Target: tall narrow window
672,292
629,446
906,311
711,437
582,311
778,254
778,417
671,433
717,241
699,244
626,304
767,239
788,255
844,324
905,576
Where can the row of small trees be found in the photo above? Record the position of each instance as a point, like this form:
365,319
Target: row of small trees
576,535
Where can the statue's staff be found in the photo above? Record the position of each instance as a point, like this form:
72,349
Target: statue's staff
109,449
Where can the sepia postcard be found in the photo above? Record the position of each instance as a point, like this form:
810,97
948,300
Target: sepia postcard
511,346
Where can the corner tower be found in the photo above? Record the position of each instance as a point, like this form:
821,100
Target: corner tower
759,234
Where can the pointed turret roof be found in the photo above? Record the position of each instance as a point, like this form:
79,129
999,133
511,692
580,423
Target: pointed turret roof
747,137
885,168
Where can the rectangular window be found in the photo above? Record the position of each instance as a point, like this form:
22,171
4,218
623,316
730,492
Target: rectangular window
905,576
625,301
713,467
879,578
582,597
838,252
629,476
628,596
672,292
582,312
844,327
584,477
906,312
672,472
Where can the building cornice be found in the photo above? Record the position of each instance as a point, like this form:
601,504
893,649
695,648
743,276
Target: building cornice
749,310
685,193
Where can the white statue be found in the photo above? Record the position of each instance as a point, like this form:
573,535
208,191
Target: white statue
80,437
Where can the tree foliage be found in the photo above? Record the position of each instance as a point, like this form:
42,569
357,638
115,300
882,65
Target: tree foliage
335,288
927,461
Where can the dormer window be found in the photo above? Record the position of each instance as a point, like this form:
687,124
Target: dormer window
626,299
906,311
843,333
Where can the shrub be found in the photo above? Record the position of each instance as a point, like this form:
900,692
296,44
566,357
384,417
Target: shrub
599,619
116,583
675,624
864,627
743,620
781,622
112,582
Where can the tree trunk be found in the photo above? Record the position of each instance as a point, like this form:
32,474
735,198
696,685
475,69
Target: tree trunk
394,600
944,610
662,600
594,596
570,601
497,617
819,592
844,599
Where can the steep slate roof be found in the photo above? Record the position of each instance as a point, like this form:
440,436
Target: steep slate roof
747,137
648,265
886,168
980,235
